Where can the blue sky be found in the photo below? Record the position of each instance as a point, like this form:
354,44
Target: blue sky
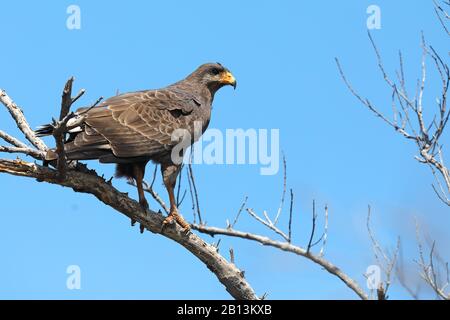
282,54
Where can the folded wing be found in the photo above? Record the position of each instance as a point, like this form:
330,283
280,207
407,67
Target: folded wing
138,124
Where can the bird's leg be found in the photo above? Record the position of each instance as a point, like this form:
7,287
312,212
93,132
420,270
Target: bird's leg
173,214
138,172
170,174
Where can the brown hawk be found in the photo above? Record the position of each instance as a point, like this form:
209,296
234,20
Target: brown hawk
133,128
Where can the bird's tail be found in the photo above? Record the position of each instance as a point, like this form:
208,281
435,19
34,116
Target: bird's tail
47,130
44,130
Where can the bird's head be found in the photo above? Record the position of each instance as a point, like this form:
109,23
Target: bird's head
214,76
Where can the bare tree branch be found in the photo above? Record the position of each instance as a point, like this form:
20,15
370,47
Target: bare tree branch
429,271
324,236
313,226
291,207
11,140
27,151
18,116
401,275
385,261
179,200
193,187
280,208
285,246
427,138
60,127
268,223
238,214
442,14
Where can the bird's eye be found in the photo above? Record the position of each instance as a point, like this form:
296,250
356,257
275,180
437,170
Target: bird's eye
215,71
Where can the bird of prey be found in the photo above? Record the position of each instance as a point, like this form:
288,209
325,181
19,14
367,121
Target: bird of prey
133,128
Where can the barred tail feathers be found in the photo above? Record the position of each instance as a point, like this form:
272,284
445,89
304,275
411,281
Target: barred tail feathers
44,130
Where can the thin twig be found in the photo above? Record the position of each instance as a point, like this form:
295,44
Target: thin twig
325,233
280,208
191,192
232,255
180,200
268,224
153,193
313,228
239,212
438,9
194,189
291,206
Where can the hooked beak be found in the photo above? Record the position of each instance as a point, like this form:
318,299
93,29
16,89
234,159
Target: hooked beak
228,79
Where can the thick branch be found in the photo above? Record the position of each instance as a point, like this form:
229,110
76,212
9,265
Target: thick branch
230,276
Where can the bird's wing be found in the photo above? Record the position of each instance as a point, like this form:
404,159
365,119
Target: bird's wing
135,124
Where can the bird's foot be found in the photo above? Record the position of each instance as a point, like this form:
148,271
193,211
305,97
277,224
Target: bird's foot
170,219
173,217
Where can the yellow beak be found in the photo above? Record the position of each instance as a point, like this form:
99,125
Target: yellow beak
228,79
